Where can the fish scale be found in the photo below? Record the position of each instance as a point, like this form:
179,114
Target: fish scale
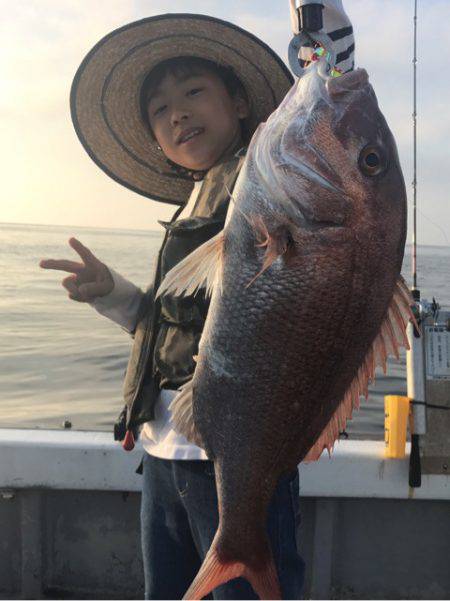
305,279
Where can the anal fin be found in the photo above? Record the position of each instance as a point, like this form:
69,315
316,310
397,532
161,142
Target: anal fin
391,336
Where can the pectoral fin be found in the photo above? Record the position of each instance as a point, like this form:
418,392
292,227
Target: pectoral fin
182,415
201,268
275,242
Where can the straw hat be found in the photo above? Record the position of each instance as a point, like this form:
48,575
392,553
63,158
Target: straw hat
105,94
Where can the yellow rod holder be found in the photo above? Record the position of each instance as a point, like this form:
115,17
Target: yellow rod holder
396,411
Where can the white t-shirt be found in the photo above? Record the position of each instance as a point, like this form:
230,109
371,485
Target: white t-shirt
158,437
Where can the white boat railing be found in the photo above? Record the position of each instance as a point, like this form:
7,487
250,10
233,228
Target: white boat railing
85,460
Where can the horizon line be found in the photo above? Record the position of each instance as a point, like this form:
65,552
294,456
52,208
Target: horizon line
146,230
91,227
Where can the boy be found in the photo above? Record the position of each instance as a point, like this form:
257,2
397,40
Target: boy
166,106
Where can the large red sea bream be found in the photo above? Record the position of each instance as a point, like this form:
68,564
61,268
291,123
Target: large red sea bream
306,301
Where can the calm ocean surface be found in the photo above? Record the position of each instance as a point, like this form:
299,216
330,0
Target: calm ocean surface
60,360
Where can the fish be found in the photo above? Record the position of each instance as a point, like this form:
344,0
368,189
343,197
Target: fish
307,301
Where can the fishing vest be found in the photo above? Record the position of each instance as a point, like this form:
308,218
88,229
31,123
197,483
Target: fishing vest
169,328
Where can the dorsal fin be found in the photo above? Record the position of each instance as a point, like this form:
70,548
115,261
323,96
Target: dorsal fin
201,268
391,336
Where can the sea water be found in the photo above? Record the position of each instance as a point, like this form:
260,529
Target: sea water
61,361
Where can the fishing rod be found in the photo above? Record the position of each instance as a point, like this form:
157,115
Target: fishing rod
415,356
428,360
414,245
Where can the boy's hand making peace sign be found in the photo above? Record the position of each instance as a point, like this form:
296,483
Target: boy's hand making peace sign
90,278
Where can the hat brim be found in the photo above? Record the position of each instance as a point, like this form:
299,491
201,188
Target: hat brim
105,93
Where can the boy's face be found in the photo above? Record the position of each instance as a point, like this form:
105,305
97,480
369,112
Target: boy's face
195,120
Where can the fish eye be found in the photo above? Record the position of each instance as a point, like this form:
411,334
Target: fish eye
372,160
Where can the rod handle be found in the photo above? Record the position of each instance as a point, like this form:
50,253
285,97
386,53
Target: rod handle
415,470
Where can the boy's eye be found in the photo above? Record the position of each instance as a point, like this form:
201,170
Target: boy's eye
194,91
159,110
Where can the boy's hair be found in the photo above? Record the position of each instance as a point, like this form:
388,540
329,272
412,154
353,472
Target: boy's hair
182,66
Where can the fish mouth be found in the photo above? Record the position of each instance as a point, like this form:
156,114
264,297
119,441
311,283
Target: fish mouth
348,82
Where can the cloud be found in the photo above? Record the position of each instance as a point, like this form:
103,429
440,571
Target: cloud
44,42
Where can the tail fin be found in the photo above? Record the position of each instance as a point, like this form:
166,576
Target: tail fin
215,572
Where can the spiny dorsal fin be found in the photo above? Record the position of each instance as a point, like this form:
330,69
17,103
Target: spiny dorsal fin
201,268
391,336
182,415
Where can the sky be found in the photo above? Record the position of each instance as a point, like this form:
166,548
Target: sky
48,178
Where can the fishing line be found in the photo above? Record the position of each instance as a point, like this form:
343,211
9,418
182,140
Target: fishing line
436,225
431,405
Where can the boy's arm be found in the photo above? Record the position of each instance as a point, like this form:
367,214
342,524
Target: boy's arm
122,304
324,17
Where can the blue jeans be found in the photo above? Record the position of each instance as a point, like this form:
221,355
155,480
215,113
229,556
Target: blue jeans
179,518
